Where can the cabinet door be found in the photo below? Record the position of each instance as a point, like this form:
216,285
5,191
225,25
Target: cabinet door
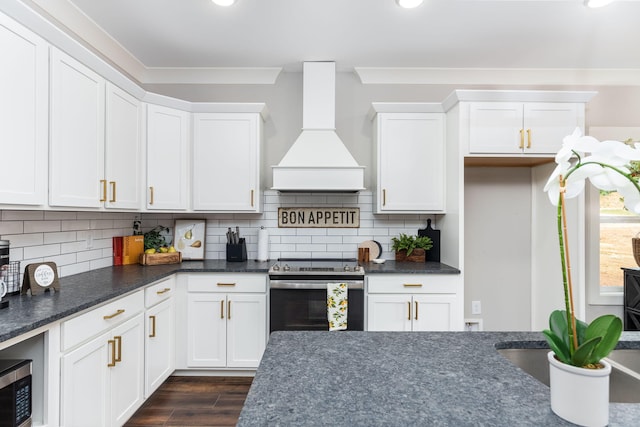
246,329
433,312
127,377
167,158
123,152
24,111
496,127
159,345
226,169
85,384
546,124
410,162
389,312
76,156
206,330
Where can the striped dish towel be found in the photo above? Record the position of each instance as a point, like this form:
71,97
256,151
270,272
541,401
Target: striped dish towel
337,306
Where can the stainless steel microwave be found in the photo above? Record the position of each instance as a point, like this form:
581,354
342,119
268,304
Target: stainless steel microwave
15,393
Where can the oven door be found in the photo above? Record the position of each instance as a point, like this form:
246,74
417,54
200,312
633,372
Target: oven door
303,306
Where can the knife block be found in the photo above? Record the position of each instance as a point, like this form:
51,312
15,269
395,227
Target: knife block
237,252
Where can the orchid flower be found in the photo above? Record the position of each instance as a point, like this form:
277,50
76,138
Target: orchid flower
606,165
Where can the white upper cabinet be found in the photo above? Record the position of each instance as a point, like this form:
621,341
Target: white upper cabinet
167,158
23,108
226,162
521,128
410,161
123,153
514,124
76,150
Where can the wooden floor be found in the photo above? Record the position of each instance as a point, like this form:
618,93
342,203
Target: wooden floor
194,401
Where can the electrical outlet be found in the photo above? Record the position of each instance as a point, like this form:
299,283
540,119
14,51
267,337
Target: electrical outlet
476,308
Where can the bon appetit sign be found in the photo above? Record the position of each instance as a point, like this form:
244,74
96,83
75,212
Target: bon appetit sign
319,217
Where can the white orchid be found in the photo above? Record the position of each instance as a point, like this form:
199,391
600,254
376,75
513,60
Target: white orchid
607,166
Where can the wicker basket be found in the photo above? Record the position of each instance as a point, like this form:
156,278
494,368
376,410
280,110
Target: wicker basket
635,243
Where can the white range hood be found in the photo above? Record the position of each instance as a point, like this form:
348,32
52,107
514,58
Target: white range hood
318,160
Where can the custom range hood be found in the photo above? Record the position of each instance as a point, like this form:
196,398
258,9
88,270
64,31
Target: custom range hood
318,161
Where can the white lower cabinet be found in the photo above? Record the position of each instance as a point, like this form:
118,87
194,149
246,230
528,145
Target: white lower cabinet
102,377
226,320
159,339
414,303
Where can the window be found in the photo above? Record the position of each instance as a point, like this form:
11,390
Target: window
617,227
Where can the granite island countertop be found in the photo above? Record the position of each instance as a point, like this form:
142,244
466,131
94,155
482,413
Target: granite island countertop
404,378
85,290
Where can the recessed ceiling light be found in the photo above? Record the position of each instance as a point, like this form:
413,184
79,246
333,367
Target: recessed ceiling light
597,3
224,2
409,4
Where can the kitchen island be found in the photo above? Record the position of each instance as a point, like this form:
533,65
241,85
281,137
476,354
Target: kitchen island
397,378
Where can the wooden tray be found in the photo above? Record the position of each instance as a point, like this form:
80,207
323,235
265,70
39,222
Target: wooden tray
161,258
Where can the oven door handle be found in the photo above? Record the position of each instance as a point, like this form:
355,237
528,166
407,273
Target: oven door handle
312,284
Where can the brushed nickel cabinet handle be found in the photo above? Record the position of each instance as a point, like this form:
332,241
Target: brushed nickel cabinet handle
112,184
111,316
112,343
251,198
118,341
103,197
153,326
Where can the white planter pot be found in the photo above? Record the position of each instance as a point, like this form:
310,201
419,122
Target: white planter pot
579,395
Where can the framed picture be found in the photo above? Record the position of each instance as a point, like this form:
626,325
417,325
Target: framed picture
188,237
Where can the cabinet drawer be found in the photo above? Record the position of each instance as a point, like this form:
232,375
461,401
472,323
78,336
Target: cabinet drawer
238,282
412,283
159,291
98,320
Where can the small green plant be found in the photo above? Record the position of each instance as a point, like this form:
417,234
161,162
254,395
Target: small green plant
409,243
153,239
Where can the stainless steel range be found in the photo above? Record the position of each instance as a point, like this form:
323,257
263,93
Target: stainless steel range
298,293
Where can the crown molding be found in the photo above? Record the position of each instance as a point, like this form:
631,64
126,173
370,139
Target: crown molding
498,76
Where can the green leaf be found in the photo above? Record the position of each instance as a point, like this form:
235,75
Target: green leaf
558,325
582,355
558,346
609,329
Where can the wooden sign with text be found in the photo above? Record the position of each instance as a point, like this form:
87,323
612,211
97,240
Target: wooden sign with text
319,217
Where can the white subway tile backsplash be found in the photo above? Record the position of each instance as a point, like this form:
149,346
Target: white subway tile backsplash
61,236
41,251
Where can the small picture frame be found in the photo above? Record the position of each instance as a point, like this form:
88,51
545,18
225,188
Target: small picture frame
188,238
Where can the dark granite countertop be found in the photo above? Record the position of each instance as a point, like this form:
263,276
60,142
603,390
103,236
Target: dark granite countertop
81,291
403,378
393,267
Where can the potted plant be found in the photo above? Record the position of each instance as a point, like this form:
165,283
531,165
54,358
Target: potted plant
579,377
411,248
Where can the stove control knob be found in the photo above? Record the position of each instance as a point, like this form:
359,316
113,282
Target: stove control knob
286,267
276,267
357,268
347,268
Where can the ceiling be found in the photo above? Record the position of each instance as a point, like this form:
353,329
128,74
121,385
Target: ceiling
358,34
